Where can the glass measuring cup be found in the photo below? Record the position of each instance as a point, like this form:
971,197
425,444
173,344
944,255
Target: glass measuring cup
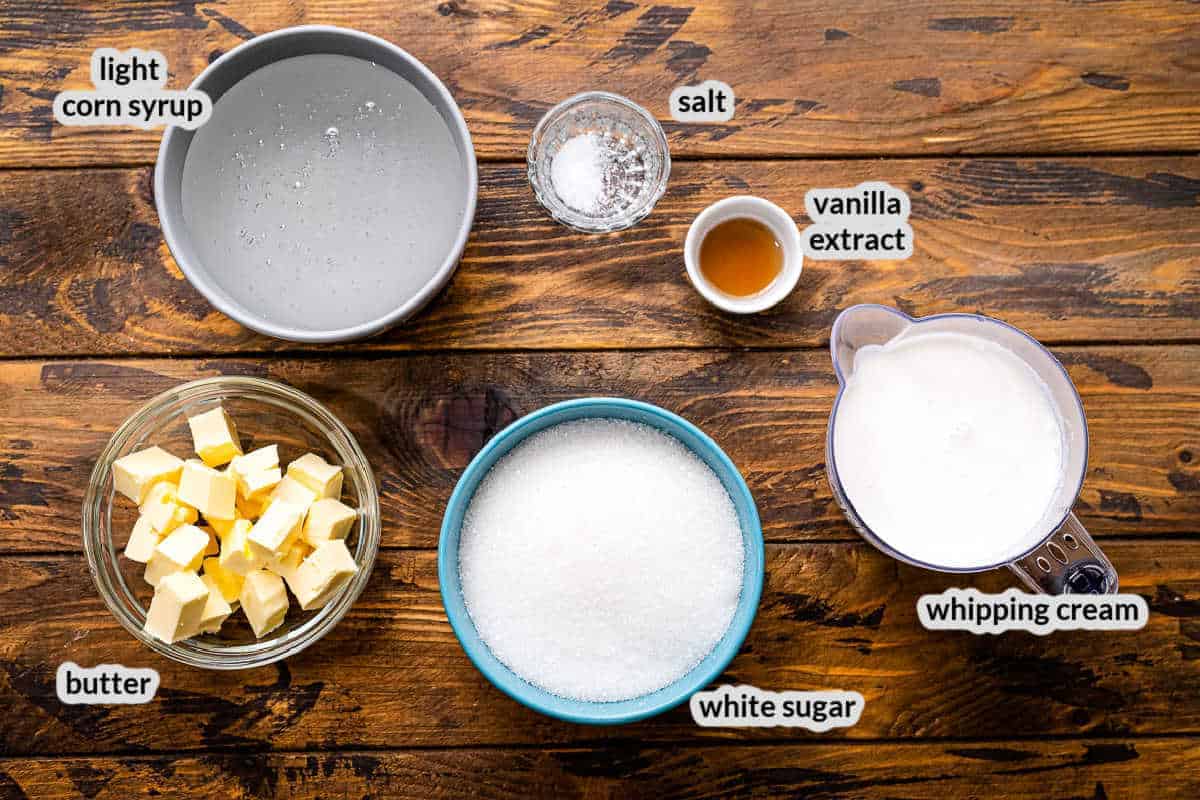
1065,560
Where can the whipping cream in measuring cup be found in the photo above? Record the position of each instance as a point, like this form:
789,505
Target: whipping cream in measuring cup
949,448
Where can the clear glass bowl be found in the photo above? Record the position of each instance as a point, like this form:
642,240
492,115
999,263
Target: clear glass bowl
265,412
639,172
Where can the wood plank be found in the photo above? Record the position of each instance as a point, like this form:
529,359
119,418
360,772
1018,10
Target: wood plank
420,419
1125,768
833,616
1070,249
857,78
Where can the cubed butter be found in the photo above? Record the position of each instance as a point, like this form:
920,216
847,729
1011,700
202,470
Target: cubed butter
181,551
264,601
229,583
285,566
260,483
142,541
177,607
328,519
314,472
261,460
293,491
252,507
211,492
276,529
215,437
214,544
136,473
216,607
236,554
223,526
165,510
320,576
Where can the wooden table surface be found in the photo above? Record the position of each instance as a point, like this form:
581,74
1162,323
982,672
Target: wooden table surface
1050,150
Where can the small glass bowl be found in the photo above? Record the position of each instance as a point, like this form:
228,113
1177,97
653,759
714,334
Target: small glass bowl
641,171
265,412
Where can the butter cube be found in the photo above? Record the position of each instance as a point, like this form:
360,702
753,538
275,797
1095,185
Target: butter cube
223,526
215,437
213,493
256,460
136,473
177,607
228,583
165,510
252,507
181,551
285,566
236,554
323,574
216,607
293,491
214,544
258,484
142,541
264,600
328,519
276,529
312,471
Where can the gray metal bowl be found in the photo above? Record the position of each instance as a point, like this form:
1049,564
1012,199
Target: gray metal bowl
236,65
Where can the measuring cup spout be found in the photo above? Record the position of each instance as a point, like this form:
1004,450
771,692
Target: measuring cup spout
859,326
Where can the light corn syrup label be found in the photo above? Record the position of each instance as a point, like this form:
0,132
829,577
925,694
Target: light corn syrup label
1013,610
747,706
106,684
129,91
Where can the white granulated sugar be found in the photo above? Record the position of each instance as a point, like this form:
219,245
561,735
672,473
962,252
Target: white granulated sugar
601,560
577,172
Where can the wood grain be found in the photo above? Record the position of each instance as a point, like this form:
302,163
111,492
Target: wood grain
832,616
1101,768
857,78
420,419
1069,249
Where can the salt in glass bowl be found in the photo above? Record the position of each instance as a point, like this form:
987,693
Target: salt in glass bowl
585,711
638,177
265,412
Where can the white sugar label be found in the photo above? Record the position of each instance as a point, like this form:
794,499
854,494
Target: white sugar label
1014,610
868,221
128,91
750,707
106,684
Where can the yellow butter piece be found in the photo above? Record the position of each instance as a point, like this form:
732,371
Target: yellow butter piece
328,519
293,491
177,607
214,437
216,607
214,544
320,576
276,529
181,551
315,473
229,583
285,566
142,541
212,493
135,474
252,507
236,555
223,526
260,483
165,510
264,601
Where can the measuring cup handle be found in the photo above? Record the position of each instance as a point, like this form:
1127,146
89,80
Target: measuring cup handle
1069,562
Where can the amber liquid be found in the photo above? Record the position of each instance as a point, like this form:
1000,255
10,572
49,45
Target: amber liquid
740,257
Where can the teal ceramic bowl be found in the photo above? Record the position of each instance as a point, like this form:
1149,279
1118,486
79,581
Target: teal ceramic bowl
598,713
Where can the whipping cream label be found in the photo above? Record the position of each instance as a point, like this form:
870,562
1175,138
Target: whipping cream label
868,221
747,706
129,91
106,684
1014,610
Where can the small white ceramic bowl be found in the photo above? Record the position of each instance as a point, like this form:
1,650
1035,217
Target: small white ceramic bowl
786,233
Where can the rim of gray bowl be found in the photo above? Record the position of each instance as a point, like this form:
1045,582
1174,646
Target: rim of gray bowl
240,62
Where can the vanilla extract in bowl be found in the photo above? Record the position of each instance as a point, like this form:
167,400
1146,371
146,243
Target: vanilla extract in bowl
741,257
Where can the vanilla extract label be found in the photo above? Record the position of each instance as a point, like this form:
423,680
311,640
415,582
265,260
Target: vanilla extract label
868,221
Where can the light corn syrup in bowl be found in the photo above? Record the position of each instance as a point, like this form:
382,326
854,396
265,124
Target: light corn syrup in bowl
325,192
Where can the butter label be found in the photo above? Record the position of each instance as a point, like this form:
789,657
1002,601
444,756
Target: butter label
106,684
